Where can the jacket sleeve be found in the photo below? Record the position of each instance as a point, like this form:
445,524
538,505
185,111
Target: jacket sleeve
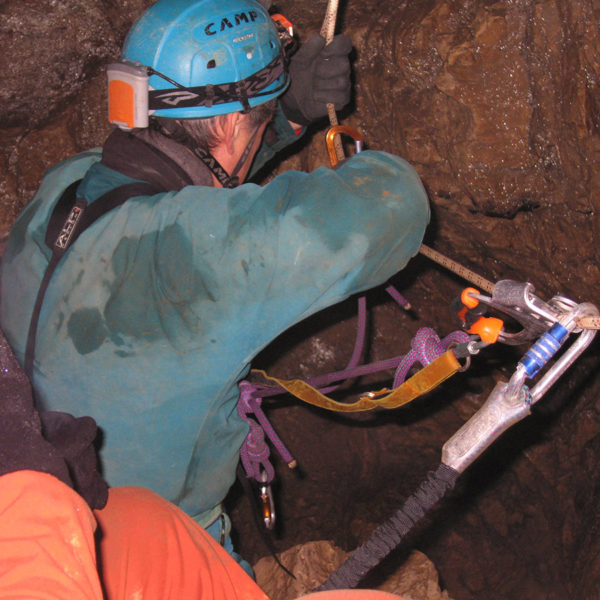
46,540
275,254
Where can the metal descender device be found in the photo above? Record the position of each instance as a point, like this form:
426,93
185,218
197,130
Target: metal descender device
550,324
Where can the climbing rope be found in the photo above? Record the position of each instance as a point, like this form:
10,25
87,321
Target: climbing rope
426,346
327,31
457,268
589,322
434,354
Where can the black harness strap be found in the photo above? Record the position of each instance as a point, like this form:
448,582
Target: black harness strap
220,93
70,218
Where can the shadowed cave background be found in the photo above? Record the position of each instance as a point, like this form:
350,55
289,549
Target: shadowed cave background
497,105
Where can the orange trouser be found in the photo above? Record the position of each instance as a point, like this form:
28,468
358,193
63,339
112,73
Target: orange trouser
148,548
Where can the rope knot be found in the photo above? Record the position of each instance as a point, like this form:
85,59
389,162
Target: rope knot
426,346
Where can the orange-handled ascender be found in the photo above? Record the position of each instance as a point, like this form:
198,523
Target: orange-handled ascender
487,328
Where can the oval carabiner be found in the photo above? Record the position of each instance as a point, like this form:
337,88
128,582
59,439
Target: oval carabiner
267,503
337,130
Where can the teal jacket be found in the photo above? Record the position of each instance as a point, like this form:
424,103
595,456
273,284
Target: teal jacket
155,313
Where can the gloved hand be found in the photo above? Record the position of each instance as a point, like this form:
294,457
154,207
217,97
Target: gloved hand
74,439
319,75
66,452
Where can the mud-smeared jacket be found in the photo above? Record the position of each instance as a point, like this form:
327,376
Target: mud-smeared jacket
156,311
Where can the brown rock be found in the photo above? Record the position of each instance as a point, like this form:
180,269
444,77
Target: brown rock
45,60
310,563
313,562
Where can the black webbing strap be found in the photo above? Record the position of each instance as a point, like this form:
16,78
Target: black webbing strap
170,128
389,534
226,180
214,166
71,217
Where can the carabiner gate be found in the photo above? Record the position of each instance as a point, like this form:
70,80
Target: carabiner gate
337,130
267,503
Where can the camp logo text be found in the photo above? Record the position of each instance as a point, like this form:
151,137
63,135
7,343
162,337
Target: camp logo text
238,19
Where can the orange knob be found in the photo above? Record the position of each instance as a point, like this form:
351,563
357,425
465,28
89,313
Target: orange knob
468,300
487,328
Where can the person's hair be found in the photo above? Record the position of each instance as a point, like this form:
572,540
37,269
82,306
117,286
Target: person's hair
203,130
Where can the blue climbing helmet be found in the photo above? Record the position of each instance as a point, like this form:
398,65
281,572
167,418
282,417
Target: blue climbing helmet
197,58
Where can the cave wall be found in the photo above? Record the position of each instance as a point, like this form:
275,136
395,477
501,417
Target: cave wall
497,105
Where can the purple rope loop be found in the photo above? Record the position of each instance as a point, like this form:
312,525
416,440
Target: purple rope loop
254,452
426,346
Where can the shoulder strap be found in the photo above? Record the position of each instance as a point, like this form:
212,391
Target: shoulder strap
71,217
129,154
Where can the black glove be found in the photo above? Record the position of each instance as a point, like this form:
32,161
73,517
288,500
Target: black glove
320,75
22,445
67,452
74,440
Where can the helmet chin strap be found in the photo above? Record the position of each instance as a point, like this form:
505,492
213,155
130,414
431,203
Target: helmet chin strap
244,157
173,130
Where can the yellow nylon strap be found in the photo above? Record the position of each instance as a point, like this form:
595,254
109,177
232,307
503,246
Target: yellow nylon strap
422,382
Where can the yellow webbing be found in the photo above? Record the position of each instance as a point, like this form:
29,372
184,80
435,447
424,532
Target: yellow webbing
422,382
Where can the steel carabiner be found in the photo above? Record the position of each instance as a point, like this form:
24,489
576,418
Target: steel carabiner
517,300
510,402
267,502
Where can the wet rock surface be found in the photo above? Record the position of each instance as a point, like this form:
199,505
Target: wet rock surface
497,104
52,85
